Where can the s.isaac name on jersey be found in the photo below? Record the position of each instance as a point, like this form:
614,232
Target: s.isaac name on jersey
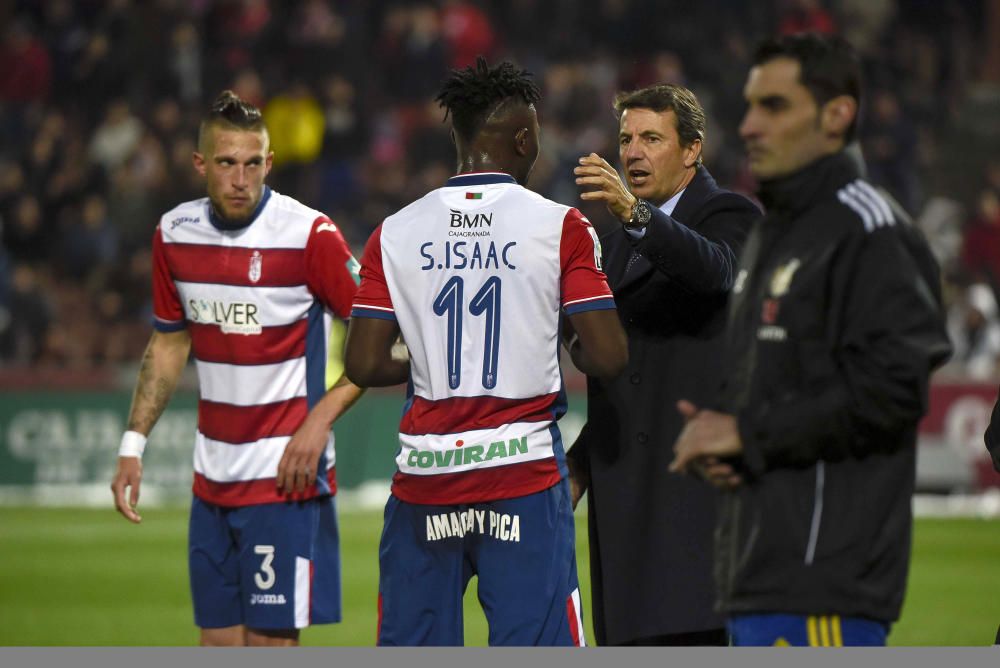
469,255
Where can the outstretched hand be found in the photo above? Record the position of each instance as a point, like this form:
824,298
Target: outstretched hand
603,183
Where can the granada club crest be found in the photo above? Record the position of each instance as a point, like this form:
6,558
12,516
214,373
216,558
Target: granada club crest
256,262
782,278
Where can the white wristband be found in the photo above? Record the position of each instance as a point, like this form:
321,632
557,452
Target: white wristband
133,444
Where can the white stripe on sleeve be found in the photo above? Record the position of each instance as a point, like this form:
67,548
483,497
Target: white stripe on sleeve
878,199
859,209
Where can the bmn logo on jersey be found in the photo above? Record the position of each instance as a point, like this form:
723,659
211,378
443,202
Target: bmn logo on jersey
463,220
256,263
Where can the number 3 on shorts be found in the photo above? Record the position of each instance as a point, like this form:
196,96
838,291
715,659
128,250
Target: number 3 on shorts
265,579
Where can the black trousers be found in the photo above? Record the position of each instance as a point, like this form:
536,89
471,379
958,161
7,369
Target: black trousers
712,637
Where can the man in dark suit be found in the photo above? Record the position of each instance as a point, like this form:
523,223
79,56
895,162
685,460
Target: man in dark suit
670,267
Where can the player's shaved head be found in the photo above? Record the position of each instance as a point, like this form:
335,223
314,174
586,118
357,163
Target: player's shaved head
230,112
493,116
234,158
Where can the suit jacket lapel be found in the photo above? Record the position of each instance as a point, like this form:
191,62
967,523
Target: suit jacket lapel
702,185
695,195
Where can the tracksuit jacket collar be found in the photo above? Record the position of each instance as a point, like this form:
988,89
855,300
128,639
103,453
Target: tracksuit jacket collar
800,191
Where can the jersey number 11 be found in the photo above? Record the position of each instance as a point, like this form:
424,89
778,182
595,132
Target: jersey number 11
449,303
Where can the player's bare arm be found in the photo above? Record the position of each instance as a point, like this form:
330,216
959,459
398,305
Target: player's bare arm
162,365
600,347
298,465
579,476
567,334
601,182
368,357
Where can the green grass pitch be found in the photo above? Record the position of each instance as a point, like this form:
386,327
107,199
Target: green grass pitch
86,577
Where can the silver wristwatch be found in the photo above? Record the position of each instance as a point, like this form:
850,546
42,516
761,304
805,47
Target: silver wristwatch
641,213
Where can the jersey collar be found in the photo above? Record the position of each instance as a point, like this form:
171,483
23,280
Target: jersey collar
479,179
222,224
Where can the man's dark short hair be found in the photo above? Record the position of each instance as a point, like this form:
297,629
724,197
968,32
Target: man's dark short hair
228,110
829,66
471,94
662,97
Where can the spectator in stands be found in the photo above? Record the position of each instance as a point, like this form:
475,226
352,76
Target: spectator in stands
974,330
394,55
890,147
86,238
116,138
981,246
24,233
28,315
805,16
26,75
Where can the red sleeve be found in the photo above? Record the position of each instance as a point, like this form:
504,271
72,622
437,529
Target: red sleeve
373,300
331,270
584,285
168,312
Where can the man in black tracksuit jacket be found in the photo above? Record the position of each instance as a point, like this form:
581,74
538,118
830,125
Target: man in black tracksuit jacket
835,325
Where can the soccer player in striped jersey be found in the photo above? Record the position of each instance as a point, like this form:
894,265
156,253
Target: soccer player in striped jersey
253,283
477,277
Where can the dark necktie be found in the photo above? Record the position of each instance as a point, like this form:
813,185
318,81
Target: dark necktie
632,260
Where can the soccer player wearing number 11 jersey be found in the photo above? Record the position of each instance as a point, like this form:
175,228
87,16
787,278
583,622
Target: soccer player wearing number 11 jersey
478,276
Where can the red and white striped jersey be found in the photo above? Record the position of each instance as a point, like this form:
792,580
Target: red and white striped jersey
477,275
259,303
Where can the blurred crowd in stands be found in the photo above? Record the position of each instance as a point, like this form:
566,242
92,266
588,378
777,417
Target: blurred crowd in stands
100,100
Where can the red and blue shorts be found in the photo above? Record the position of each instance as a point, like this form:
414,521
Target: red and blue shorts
269,566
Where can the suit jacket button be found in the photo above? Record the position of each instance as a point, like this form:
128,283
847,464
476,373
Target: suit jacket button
641,437
635,378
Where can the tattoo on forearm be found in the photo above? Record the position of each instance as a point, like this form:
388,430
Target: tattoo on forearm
152,393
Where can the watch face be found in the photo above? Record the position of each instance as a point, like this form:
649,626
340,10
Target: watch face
642,213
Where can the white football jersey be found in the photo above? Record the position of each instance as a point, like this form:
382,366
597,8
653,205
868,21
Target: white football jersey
477,274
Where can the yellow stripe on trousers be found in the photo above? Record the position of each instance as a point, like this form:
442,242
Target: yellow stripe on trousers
838,638
811,631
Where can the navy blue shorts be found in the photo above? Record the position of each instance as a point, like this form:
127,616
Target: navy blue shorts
522,550
270,566
772,629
